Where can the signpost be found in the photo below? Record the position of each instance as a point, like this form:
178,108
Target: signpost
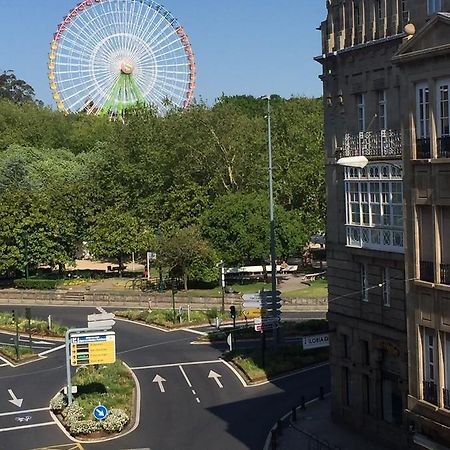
316,341
100,412
95,344
93,348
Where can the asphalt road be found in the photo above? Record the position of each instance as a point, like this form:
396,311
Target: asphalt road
198,403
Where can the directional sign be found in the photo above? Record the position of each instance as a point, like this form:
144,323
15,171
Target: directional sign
266,320
216,377
102,321
14,400
254,312
249,304
101,324
100,316
159,379
89,348
100,412
252,297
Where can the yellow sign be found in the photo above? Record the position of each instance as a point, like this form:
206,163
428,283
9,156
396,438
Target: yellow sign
93,348
254,312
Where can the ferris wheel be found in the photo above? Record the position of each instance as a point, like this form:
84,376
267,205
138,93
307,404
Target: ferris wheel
108,55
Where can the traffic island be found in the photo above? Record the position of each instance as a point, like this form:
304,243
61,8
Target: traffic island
104,403
278,361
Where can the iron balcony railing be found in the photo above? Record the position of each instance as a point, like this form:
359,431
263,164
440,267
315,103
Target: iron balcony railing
445,273
430,392
423,148
427,271
443,147
446,395
373,143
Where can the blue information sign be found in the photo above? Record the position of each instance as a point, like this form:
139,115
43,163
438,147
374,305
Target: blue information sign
100,412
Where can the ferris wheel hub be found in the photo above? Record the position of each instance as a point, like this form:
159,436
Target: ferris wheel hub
127,67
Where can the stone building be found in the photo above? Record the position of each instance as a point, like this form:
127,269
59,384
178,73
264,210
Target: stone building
386,75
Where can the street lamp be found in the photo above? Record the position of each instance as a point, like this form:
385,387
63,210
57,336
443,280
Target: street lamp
273,257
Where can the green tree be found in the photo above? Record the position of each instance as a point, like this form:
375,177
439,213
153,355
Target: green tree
116,233
187,255
14,89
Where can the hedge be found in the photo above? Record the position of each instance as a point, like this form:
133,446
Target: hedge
35,283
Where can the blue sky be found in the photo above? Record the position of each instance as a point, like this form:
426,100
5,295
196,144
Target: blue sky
241,46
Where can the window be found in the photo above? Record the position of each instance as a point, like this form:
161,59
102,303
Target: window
379,10
434,6
365,355
423,111
357,13
364,283
382,117
447,371
361,108
443,110
429,366
345,346
374,202
346,385
386,286
366,392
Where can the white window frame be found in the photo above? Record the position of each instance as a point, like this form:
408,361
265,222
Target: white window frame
430,365
433,6
386,286
382,109
361,111
364,282
422,111
443,107
374,207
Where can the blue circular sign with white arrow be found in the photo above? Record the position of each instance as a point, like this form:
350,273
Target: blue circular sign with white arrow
100,412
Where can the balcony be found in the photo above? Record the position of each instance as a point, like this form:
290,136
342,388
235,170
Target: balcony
427,271
446,395
445,274
430,392
423,148
383,143
443,147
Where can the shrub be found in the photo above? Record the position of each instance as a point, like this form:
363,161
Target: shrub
116,421
58,402
73,413
84,426
35,283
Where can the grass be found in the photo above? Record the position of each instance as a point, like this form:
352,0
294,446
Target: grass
110,385
287,329
164,317
277,361
316,289
38,327
10,352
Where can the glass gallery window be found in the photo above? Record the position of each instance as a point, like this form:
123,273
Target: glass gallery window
374,211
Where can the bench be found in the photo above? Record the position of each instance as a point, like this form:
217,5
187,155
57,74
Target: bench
312,276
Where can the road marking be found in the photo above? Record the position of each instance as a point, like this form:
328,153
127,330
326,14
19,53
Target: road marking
216,377
10,413
186,377
21,427
190,330
198,400
74,446
14,400
52,350
159,379
192,363
7,363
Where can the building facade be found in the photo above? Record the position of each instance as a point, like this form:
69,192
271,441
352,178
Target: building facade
386,74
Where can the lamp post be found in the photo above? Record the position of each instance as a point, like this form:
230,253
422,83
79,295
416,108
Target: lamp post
273,257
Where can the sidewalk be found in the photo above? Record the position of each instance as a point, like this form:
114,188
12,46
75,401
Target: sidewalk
314,429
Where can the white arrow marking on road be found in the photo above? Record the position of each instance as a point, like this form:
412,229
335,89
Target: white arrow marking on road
216,377
15,401
159,379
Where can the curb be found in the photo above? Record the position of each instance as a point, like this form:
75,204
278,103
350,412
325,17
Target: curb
268,443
